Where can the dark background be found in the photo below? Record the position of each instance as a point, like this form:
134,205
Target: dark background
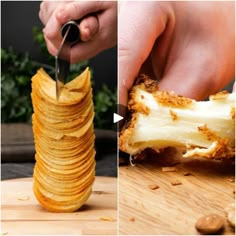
17,21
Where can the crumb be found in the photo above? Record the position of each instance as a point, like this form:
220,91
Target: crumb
173,115
153,186
25,198
176,182
141,108
231,179
232,113
211,135
172,100
132,219
142,97
186,173
106,218
5,233
98,192
169,169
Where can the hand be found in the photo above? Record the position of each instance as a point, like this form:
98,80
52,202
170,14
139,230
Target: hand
98,27
188,45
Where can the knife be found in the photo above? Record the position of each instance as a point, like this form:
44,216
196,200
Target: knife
71,35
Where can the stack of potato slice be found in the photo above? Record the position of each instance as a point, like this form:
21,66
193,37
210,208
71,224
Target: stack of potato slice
64,141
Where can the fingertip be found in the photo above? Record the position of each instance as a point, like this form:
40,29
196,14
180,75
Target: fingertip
89,27
62,16
85,34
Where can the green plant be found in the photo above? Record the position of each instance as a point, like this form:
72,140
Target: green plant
105,101
16,72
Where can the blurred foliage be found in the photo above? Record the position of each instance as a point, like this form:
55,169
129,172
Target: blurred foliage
105,103
16,72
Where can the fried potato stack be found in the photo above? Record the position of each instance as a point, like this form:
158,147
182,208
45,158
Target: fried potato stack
64,142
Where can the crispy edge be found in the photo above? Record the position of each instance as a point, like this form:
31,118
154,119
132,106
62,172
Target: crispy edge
164,98
219,96
222,148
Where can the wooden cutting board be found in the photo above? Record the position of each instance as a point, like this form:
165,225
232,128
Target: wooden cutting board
22,214
172,209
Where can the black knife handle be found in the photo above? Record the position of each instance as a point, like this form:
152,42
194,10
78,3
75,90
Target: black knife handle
73,34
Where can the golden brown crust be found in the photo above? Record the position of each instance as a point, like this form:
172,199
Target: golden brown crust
221,148
163,97
219,96
171,100
207,132
204,142
125,133
146,82
140,107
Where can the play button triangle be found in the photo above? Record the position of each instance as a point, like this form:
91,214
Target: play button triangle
117,118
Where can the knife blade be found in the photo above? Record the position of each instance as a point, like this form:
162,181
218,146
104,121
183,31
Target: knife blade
71,35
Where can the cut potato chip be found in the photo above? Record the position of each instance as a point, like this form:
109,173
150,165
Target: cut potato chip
64,142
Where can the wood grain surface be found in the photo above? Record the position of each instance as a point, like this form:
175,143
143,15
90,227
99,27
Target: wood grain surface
205,187
22,214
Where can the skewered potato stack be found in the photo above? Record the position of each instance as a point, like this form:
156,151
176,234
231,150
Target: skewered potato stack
64,141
